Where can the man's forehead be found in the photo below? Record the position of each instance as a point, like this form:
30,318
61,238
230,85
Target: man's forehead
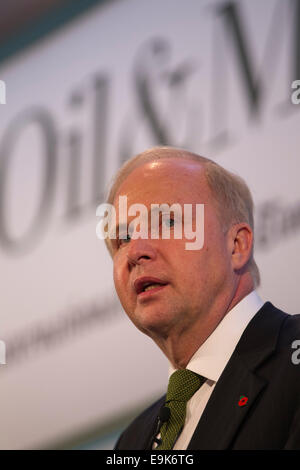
178,175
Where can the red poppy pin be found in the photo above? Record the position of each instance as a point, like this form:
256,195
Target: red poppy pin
243,400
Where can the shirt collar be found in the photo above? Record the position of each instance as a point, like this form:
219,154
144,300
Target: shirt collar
212,356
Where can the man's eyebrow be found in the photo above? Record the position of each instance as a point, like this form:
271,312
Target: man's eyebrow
154,209
118,228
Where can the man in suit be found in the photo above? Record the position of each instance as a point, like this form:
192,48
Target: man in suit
233,381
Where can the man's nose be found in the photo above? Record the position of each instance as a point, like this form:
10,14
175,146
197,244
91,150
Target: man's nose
140,251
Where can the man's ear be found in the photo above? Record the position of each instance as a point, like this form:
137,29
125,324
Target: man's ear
240,242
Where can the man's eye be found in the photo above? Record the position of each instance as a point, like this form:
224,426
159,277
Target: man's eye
169,221
122,241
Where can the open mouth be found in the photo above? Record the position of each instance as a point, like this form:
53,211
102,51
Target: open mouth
148,285
150,290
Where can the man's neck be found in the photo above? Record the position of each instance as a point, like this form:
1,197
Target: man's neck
180,346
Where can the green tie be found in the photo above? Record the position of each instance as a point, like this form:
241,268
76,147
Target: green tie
183,384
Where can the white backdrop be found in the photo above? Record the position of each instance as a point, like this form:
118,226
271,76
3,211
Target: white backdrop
212,76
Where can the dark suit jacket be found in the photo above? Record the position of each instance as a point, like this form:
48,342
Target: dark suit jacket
261,369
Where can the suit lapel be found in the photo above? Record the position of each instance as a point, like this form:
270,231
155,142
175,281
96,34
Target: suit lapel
223,415
224,412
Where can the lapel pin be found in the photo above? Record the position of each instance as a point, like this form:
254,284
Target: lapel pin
243,400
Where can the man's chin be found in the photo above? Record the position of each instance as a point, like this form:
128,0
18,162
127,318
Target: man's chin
154,325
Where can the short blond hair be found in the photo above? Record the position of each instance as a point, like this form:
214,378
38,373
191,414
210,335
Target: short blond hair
233,198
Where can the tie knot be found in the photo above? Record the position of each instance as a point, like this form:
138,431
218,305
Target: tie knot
183,383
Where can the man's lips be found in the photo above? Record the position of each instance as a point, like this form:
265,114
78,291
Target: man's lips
148,293
141,283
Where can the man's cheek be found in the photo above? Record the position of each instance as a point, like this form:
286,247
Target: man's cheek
116,274
118,284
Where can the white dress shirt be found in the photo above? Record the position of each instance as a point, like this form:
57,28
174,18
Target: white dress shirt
211,358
